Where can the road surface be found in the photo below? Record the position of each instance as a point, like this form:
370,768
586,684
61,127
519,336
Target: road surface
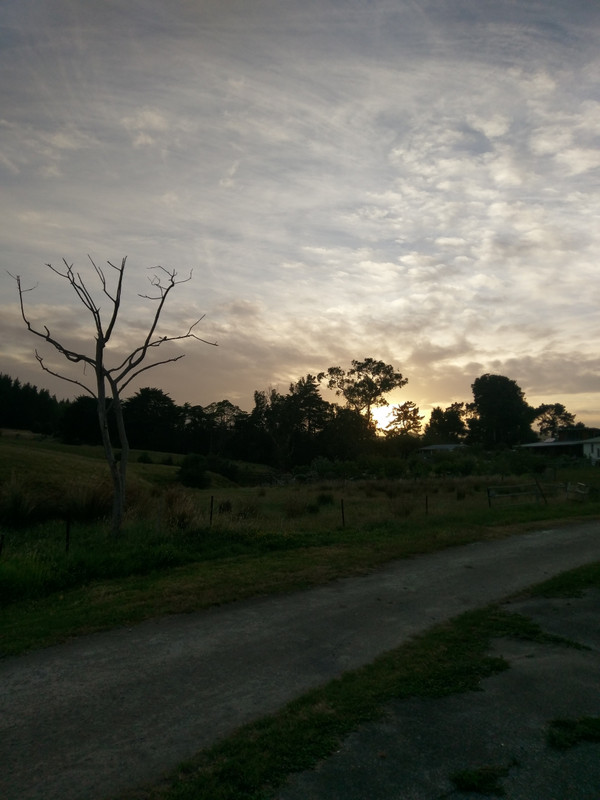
106,712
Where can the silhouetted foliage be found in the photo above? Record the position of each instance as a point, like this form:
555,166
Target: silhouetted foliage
365,384
552,417
501,415
153,421
79,423
25,407
406,420
298,430
192,472
446,426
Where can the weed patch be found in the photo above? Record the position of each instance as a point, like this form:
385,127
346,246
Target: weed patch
482,780
569,584
565,733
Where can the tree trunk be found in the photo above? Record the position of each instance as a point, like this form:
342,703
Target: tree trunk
121,469
113,465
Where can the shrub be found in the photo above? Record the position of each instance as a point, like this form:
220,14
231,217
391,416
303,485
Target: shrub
18,505
180,510
248,510
325,499
192,472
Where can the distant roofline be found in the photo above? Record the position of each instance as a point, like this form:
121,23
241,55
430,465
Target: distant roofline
452,446
566,443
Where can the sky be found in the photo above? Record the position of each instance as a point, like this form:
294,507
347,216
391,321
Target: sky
412,181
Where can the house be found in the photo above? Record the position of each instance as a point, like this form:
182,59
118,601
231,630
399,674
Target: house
436,449
582,448
591,449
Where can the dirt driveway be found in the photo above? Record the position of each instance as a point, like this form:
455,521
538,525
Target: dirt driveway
106,712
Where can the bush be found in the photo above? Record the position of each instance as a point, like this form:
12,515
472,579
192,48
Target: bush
192,472
18,505
325,499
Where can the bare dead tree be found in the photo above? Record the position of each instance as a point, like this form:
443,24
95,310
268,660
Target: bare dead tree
111,381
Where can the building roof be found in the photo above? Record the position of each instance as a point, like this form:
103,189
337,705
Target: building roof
442,447
569,443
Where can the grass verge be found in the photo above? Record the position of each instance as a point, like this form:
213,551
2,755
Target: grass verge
483,780
565,733
101,605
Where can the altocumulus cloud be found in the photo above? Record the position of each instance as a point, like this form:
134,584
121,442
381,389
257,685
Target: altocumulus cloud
416,182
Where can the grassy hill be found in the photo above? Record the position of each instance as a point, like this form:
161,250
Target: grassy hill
61,573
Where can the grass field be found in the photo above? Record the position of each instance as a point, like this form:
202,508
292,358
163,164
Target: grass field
181,549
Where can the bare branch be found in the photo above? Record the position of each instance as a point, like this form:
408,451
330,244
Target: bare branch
80,289
147,367
40,361
116,301
70,355
155,281
17,278
101,277
138,355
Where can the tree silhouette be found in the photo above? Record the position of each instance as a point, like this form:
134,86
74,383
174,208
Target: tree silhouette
551,417
406,420
109,382
501,415
364,385
446,426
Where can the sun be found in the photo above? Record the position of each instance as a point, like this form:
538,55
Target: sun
382,416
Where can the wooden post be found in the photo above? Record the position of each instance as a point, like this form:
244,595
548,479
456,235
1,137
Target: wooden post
67,532
342,510
1,543
212,505
541,491
427,504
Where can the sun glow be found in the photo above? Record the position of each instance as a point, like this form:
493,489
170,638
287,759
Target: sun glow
383,416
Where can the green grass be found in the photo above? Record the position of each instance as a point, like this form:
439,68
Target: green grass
164,581
569,584
565,733
482,780
173,557
234,569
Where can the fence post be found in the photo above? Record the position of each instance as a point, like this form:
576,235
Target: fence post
67,532
342,510
212,505
541,491
1,543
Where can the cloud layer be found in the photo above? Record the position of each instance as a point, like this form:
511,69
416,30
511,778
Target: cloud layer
416,182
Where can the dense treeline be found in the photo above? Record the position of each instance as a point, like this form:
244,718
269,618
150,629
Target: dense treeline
23,406
294,429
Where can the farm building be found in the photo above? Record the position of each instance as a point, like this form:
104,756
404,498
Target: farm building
584,448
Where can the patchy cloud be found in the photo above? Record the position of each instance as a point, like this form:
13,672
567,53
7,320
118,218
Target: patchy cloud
412,182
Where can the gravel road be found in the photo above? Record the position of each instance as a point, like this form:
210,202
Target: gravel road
106,712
